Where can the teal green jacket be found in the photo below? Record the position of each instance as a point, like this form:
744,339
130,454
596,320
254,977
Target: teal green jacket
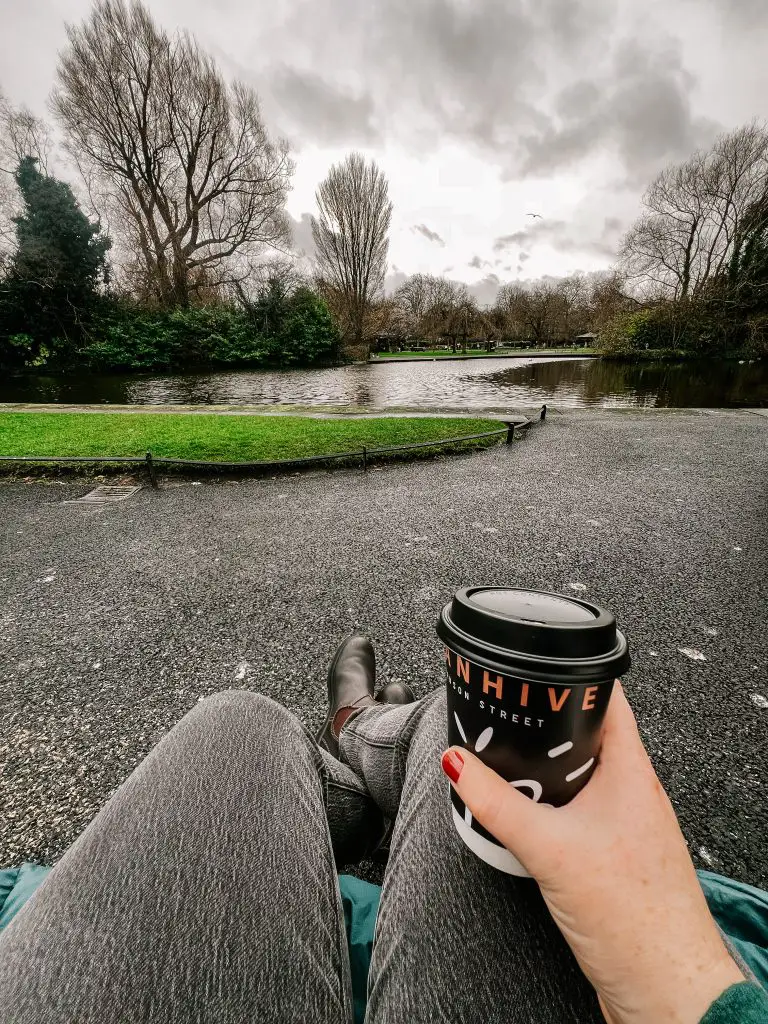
746,1003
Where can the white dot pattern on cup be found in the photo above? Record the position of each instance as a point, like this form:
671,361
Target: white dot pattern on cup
562,749
579,771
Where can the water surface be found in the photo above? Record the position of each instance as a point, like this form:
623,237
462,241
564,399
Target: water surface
473,384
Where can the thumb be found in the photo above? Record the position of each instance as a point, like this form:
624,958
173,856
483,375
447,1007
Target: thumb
524,827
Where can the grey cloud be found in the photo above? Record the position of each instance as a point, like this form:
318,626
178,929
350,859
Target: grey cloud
536,86
739,14
309,107
642,110
507,241
432,236
302,234
393,281
577,236
534,231
433,70
478,263
485,291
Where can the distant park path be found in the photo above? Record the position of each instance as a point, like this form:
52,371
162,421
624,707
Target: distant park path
115,620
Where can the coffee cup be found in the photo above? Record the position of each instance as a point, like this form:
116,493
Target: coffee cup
529,675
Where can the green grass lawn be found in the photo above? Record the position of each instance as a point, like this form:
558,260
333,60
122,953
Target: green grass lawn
441,354
216,438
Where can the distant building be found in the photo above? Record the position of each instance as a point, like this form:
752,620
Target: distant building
388,341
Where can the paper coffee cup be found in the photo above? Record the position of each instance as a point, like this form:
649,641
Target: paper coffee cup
529,676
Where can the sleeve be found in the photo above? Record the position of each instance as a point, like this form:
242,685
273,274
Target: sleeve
745,1003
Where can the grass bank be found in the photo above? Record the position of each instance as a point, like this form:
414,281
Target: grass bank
214,438
498,352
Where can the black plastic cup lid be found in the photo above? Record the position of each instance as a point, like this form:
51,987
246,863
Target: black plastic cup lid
541,634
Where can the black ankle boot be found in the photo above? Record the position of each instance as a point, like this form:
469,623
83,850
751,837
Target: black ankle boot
351,680
396,693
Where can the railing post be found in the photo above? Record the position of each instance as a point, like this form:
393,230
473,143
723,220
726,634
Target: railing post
510,433
365,459
151,470
543,412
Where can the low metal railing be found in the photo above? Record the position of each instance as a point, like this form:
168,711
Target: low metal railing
365,454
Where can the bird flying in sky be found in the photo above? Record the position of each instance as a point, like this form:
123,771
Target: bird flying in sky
534,215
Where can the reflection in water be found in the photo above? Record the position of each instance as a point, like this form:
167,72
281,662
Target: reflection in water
476,384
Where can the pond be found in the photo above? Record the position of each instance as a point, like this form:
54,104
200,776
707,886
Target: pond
473,384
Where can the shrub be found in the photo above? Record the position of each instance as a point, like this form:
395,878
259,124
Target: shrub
691,327
125,336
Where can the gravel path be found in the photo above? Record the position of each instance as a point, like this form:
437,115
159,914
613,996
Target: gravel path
115,620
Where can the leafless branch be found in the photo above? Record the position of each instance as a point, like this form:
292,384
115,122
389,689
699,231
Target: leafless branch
184,162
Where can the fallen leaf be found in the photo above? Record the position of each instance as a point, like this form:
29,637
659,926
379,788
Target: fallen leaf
692,653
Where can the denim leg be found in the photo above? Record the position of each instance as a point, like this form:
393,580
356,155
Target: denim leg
455,940
375,745
356,823
204,891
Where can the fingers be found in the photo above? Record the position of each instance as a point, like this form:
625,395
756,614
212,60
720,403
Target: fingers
621,739
512,817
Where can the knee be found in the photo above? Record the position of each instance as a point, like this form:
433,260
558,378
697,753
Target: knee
247,714
236,705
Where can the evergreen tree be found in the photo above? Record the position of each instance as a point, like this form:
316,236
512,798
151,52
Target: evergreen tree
59,263
748,273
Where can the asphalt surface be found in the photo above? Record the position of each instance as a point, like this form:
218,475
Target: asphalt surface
115,620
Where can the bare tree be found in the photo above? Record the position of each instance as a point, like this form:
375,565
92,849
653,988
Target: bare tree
695,215
411,302
351,239
21,134
530,311
574,292
424,304
606,296
455,314
184,161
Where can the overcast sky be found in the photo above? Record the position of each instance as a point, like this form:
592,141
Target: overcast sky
479,111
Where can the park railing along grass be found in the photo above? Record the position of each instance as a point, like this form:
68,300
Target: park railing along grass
231,443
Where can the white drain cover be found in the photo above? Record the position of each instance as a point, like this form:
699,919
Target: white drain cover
104,495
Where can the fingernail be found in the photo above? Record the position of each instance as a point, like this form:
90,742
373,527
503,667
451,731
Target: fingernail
452,763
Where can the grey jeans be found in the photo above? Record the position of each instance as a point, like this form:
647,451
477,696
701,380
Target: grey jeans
206,889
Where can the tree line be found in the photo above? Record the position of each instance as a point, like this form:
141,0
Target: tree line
546,312
698,255
177,248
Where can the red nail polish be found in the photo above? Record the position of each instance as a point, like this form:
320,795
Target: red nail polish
452,762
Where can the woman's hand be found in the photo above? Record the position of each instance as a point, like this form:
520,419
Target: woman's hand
616,875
